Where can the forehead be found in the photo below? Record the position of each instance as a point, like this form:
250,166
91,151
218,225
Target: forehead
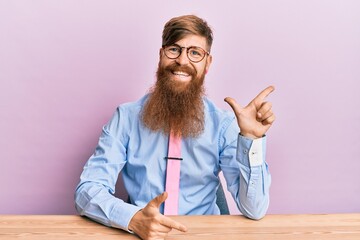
192,40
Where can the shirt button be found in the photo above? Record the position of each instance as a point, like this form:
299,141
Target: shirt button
245,151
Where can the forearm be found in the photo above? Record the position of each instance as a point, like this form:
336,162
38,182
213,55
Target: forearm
253,198
94,201
255,179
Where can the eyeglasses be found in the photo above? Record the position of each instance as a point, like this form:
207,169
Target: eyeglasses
195,54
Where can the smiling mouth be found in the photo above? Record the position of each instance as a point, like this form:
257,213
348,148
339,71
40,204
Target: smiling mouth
181,74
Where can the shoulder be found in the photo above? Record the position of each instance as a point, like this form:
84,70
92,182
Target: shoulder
224,121
214,111
126,114
217,117
133,107
131,110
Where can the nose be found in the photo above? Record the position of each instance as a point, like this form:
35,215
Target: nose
183,58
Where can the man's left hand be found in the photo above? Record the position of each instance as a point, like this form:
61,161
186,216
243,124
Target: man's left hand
257,117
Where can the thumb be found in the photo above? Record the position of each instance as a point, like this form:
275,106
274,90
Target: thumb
158,200
233,104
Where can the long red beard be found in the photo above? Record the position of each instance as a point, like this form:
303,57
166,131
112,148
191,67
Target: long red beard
175,106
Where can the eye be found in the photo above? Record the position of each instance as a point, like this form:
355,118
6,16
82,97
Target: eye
196,52
173,49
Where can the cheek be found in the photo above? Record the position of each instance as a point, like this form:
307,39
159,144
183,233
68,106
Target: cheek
161,63
201,70
164,61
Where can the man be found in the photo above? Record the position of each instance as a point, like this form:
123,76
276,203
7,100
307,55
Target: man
136,142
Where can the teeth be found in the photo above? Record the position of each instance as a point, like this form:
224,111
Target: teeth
181,73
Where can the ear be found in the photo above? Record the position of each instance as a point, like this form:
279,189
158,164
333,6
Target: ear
208,63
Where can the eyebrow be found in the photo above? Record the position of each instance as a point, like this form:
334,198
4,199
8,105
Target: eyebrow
189,46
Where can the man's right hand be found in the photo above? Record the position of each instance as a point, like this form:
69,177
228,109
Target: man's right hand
150,224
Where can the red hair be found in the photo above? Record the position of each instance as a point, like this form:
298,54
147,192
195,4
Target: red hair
179,27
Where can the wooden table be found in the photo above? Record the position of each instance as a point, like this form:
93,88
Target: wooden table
225,227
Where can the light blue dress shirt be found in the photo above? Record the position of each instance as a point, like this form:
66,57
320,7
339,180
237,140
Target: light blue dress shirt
126,146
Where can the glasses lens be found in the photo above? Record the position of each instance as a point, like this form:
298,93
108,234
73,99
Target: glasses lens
196,54
173,51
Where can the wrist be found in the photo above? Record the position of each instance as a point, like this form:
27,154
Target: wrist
248,135
133,222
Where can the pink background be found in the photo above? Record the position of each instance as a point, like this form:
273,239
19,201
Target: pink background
66,65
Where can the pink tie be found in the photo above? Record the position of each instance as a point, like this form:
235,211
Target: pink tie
173,175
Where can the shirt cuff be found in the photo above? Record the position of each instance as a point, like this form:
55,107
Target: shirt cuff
251,152
122,218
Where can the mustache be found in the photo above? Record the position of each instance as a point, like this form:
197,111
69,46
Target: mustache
175,67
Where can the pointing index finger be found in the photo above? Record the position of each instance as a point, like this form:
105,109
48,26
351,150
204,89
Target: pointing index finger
264,93
166,221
